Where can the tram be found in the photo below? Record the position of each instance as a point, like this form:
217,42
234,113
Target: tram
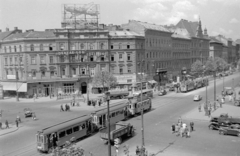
135,106
145,92
58,134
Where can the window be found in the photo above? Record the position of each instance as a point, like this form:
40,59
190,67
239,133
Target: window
75,129
69,131
51,59
51,73
82,46
15,60
5,49
72,58
129,70
74,71
73,46
31,47
62,59
102,57
63,71
42,59
10,49
15,49
41,47
120,45
102,68
6,61
83,126
34,74
83,71
129,57
112,69
43,73
91,46
91,58
50,47
10,61
6,72
120,70
62,47
111,46
101,45
20,48
112,57
129,80
92,71
120,57
128,46
62,134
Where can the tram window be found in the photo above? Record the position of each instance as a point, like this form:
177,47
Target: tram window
62,134
75,129
113,114
69,131
83,126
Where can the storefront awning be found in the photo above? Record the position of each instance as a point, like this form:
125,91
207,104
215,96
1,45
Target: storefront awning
13,86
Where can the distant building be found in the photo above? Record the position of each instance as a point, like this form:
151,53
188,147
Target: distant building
216,48
200,39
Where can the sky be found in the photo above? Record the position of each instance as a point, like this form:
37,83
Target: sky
218,16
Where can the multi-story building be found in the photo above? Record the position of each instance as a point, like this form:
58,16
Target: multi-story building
216,48
158,45
200,39
62,60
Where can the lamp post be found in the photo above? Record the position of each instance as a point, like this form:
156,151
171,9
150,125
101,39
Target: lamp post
17,99
88,85
233,83
214,77
107,94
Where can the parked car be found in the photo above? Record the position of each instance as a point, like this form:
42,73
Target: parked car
162,92
28,112
231,130
228,90
172,88
215,125
197,98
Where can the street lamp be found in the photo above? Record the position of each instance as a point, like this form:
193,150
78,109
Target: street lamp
17,98
107,95
214,77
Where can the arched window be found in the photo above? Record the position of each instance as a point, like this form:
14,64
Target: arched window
41,47
31,47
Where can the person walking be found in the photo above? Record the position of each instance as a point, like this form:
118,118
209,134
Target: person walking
6,123
173,128
199,108
16,123
191,126
209,111
61,108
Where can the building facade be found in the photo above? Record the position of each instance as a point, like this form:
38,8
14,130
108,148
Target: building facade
216,48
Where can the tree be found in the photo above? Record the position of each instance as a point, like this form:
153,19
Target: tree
197,67
221,64
104,79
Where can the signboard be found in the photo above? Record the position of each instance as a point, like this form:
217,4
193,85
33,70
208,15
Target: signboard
11,77
126,78
1,91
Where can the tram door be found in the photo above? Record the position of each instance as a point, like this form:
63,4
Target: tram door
104,119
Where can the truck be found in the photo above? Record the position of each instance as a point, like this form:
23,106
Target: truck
118,132
225,119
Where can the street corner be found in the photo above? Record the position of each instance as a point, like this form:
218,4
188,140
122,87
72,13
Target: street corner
196,115
11,129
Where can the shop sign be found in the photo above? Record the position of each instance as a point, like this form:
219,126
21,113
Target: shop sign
1,91
126,78
70,52
11,77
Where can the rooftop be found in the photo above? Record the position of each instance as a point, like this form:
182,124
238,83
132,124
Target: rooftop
151,26
31,34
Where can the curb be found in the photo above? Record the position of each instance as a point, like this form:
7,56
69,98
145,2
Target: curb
10,131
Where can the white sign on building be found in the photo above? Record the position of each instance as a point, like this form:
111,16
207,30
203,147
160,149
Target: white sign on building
11,77
126,78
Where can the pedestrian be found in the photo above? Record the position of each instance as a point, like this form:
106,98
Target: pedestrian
173,128
0,125
188,134
16,123
179,119
61,108
209,111
18,118
6,123
66,107
137,151
199,107
191,126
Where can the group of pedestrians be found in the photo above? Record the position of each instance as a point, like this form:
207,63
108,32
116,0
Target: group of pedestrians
66,109
94,103
6,124
181,129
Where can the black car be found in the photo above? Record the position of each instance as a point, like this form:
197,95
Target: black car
28,112
215,125
231,130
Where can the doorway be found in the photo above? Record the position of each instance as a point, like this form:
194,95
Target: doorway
46,87
84,87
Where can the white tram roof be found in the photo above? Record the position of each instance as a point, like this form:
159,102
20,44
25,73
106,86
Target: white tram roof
65,124
116,106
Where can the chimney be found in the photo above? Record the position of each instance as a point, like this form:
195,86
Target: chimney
15,28
7,29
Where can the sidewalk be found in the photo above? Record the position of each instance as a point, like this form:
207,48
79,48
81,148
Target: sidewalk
12,128
200,116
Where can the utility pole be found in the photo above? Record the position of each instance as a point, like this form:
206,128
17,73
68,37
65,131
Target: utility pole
142,129
109,143
214,76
